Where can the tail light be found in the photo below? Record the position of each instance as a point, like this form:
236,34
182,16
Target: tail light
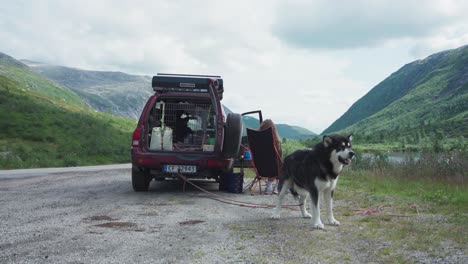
136,137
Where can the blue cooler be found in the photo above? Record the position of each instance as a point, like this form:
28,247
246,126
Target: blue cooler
235,182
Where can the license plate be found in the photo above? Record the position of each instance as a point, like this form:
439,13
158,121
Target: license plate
180,168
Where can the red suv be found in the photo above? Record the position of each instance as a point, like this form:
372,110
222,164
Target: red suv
183,129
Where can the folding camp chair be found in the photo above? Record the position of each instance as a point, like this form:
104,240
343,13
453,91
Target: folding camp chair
265,156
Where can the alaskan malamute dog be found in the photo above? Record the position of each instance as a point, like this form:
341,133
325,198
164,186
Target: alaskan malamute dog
315,173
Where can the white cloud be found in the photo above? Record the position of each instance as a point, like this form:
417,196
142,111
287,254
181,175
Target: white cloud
303,62
363,23
446,38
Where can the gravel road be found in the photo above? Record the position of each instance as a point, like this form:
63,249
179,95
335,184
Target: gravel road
95,217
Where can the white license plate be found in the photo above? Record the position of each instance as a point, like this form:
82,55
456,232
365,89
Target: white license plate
180,168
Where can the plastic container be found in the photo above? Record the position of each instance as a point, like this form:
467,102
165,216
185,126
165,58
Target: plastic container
161,139
156,138
235,182
167,139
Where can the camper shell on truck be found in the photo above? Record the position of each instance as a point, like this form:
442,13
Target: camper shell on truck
183,129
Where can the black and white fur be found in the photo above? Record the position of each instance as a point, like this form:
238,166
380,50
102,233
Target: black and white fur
314,173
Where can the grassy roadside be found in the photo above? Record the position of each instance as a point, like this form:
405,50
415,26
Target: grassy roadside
377,226
410,212
40,131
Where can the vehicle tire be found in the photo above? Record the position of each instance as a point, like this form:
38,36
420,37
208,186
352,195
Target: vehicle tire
140,180
232,135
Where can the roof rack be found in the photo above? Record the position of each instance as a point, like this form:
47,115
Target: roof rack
167,82
187,75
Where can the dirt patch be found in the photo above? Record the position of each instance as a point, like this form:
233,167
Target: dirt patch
117,225
191,222
95,233
99,218
161,204
129,226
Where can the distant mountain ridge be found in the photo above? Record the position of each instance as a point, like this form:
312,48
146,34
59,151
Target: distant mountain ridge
124,94
116,92
8,60
285,131
429,94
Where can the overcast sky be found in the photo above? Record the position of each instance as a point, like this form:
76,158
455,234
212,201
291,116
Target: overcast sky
302,63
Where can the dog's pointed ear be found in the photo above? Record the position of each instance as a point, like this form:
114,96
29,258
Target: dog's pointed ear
327,141
350,137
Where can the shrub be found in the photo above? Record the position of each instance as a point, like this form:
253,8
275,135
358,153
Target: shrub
448,167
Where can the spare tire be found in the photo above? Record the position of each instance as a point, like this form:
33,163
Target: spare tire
232,135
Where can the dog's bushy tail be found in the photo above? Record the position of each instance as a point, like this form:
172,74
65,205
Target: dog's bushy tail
285,174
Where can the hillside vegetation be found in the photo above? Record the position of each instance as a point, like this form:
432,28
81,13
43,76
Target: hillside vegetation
423,101
43,124
115,92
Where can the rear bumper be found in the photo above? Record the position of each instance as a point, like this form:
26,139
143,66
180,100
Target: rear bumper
207,164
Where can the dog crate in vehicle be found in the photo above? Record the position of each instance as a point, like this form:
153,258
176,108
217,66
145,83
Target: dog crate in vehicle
188,125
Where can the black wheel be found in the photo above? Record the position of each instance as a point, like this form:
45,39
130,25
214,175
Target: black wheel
232,135
140,180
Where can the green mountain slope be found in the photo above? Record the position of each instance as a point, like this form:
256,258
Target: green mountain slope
43,124
116,92
294,132
284,130
426,98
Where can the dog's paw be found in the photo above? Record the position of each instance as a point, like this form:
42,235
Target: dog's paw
318,225
275,215
306,215
333,222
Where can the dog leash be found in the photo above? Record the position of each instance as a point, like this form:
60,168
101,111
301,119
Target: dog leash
231,201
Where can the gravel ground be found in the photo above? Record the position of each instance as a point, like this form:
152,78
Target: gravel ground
95,217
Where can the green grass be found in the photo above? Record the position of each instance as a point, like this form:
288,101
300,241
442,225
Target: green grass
443,197
290,145
415,217
40,130
23,79
417,211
